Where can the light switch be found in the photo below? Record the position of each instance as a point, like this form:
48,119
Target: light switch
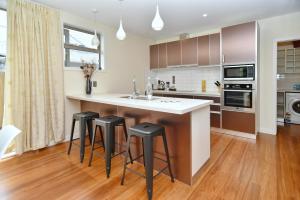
94,83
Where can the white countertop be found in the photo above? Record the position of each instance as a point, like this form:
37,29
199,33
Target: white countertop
160,104
187,93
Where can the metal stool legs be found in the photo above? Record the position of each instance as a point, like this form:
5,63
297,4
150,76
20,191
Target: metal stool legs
126,137
148,157
93,143
148,160
71,136
167,154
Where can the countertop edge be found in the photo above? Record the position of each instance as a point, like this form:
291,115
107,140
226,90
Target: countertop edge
97,100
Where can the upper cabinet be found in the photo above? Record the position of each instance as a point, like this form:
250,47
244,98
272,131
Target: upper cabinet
203,50
189,51
162,55
214,49
174,53
153,56
239,43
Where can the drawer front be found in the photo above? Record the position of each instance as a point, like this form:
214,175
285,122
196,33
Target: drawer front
238,121
215,120
215,108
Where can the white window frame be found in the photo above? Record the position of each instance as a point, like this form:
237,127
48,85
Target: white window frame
75,66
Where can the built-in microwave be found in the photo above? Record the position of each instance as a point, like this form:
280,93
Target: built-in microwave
238,97
244,72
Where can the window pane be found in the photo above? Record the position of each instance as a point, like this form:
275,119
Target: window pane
3,37
2,62
80,39
77,56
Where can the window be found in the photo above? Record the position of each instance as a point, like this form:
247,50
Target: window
77,43
3,38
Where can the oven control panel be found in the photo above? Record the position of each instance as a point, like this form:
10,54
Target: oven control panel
238,86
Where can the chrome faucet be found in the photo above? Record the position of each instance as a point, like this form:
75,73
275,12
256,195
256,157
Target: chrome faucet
135,93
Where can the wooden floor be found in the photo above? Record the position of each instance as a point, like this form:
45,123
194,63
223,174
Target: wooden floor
238,169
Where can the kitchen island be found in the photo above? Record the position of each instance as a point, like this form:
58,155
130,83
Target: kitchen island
187,124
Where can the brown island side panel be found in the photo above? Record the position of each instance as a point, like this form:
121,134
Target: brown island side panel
178,132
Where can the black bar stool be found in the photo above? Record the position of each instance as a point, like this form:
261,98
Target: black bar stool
84,118
147,132
108,123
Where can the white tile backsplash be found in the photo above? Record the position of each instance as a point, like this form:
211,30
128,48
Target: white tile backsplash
189,78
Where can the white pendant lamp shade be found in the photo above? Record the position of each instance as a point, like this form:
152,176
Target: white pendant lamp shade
157,23
121,35
95,41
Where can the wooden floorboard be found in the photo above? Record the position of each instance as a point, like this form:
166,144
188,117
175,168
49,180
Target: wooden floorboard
268,168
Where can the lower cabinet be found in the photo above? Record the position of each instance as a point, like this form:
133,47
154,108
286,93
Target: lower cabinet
238,121
215,120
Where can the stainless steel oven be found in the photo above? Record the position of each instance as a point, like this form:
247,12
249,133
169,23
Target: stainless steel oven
238,97
244,72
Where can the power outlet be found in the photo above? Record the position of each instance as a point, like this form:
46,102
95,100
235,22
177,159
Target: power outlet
94,83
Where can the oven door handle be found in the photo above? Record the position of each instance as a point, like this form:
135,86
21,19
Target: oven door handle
237,90
237,66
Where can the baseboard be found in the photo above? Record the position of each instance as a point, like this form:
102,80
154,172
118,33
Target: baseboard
234,133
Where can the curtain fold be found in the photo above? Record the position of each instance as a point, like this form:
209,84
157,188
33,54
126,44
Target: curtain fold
34,89
2,75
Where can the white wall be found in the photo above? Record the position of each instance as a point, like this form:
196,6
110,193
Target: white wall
271,30
122,61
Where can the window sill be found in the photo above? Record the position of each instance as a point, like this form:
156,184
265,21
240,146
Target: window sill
78,69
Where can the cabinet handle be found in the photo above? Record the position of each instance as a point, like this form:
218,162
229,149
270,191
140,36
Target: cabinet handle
223,58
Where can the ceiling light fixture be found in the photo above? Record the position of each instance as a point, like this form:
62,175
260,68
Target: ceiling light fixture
95,41
121,35
204,15
157,23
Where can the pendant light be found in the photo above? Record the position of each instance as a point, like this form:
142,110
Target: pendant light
95,41
157,23
121,35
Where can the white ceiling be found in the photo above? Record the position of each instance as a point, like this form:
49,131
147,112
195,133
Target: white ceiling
180,16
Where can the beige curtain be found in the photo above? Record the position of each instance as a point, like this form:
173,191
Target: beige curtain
2,75
34,88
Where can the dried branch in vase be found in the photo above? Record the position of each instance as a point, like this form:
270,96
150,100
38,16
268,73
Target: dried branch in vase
88,69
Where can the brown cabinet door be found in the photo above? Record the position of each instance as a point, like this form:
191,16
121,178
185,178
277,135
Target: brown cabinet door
239,43
189,51
214,49
203,50
162,55
215,120
174,53
153,56
238,121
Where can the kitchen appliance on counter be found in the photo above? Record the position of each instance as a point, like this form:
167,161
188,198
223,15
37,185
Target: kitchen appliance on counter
239,97
242,72
292,107
161,85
